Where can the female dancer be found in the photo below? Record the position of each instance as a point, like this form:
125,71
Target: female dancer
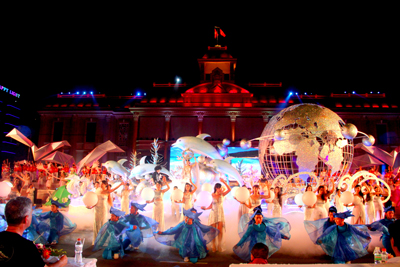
359,209
187,195
277,211
378,202
319,207
217,218
255,198
125,197
31,193
308,209
158,209
101,208
338,203
269,231
369,200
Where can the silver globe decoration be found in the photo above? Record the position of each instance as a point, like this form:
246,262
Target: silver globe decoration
368,141
245,144
349,131
226,142
306,138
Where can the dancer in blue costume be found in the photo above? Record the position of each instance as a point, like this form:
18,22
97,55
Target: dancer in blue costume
54,223
110,235
142,226
269,231
190,236
345,242
383,226
31,233
316,228
3,222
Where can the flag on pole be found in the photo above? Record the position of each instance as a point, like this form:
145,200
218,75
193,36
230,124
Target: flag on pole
215,34
222,33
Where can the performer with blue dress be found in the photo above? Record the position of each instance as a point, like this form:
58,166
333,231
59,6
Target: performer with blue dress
110,235
3,222
269,231
54,224
190,236
316,228
383,226
31,233
345,242
142,226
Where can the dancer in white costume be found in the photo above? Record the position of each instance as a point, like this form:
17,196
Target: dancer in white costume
308,209
101,208
359,208
126,191
31,193
216,218
158,209
255,198
338,203
190,188
243,208
175,206
319,207
277,201
378,202
369,203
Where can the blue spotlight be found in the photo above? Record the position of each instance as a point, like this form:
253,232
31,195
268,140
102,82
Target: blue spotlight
69,93
138,93
354,92
296,93
91,92
77,92
61,92
290,93
305,93
84,93
378,92
178,80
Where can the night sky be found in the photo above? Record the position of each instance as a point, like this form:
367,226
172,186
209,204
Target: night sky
120,51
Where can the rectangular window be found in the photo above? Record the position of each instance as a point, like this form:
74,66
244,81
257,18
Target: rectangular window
381,133
91,132
58,131
123,134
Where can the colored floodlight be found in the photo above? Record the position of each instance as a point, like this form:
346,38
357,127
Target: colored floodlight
77,92
91,92
354,92
84,93
138,93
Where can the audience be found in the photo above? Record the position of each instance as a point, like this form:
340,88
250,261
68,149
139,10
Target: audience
14,249
259,254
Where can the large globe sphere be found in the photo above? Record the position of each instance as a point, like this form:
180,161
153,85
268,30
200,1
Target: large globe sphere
305,138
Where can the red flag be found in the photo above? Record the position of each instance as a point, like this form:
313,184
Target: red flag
222,33
215,33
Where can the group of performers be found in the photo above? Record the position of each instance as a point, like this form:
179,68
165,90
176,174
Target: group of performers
118,230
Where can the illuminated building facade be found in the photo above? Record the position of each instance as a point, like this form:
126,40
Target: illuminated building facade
217,106
10,117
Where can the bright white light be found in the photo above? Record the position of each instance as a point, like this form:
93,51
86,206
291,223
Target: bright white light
354,92
84,93
91,93
77,93
138,94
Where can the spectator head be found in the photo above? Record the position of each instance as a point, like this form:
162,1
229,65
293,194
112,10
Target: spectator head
259,250
19,211
157,168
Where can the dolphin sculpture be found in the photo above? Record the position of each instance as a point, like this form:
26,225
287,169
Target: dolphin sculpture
73,185
117,168
226,168
147,168
198,145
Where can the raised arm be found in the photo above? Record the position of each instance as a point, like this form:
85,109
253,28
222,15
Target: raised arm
194,186
227,186
165,182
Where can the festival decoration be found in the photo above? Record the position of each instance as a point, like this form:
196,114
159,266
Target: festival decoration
177,195
204,198
147,194
60,158
198,145
309,198
90,199
347,197
5,189
242,194
298,199
223,167
117,168
97,153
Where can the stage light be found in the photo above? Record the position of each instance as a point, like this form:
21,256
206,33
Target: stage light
290,93
178,79
91,92
370,92
296,93
144,93
61,92
138,93
84,93
77,92
69,93
354,92
345,92
378,92
305,93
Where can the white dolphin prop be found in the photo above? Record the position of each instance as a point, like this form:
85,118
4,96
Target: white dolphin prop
144,169
73,185
198,145
225,168
117,168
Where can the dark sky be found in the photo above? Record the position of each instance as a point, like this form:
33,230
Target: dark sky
118,51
